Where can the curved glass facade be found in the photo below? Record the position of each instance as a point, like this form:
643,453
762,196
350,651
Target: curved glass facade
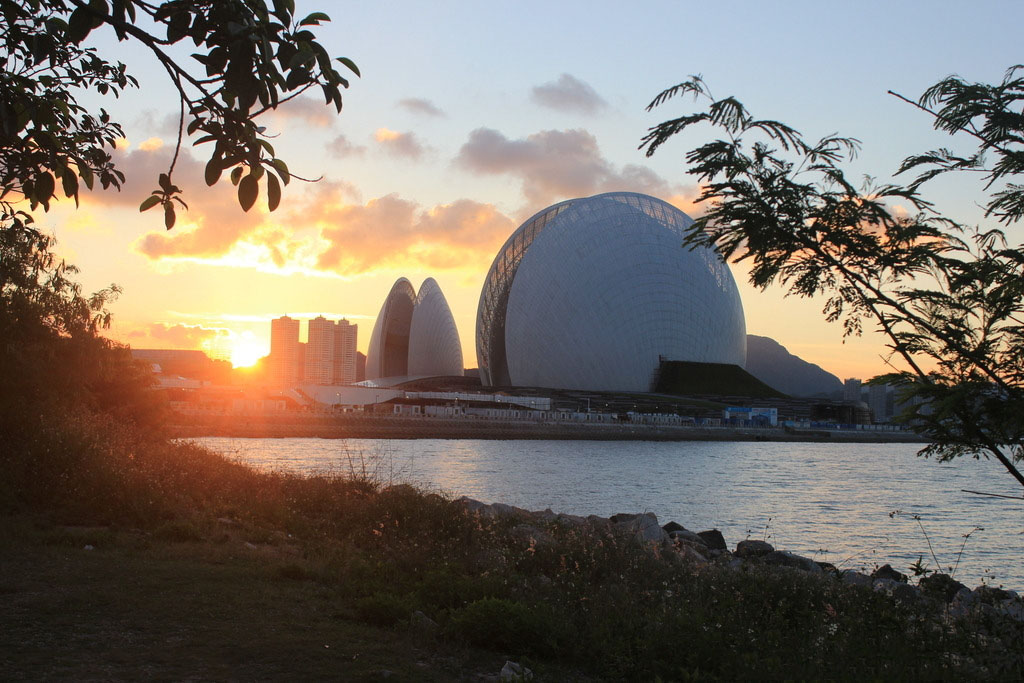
592,293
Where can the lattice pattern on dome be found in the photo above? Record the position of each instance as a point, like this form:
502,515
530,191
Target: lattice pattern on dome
493,298
591,293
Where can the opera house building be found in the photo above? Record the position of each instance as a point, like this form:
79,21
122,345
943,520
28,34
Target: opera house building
415,335
595,293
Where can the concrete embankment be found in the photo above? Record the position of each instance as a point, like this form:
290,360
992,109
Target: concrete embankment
385,427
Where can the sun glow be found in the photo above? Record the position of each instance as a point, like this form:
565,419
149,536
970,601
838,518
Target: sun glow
246,350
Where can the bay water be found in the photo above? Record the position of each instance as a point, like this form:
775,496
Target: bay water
855,505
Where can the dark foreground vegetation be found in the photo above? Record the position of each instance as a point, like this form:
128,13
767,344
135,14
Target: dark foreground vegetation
127,556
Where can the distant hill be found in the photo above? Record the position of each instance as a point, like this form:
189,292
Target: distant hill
770,362
686,378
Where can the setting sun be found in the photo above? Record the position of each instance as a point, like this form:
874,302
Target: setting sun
246,350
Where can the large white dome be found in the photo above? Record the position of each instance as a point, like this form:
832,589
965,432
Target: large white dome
593,293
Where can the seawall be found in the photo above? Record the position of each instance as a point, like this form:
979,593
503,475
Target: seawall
387,427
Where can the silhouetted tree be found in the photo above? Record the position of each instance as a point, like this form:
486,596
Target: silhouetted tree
948,297
250,58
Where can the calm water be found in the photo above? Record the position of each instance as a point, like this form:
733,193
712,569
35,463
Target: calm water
829,501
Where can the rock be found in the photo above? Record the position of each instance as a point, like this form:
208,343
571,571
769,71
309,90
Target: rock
422,623
513,671
470,504
644,526
531,536
852,578
991,595
621,517
492,510
688,553
963,603
673,526
714,539
570,520
887,572
902,592
89,547
828,567
688,536
783,558
753,548
941,586
1013,608
503,510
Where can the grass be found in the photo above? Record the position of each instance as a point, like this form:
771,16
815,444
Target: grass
202,567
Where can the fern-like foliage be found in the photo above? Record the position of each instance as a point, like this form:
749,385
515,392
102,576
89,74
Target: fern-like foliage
949,299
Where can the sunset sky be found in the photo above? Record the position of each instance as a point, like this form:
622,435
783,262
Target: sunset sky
469,117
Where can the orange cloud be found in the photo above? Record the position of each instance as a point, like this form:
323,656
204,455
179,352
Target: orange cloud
213,222
177,336
391,230
400,145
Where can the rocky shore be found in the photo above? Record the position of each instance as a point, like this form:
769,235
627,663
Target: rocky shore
675,543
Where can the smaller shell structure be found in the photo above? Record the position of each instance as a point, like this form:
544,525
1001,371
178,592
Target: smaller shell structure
434,346
414,334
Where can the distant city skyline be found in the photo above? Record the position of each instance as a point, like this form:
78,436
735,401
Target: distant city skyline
435,161
328,356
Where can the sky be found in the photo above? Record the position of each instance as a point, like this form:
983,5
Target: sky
469,118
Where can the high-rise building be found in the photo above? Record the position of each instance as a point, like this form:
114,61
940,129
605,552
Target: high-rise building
880,402
330,352
284,351
851,390
345,338
319,362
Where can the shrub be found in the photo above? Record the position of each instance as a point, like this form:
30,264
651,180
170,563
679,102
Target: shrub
509,626
383,609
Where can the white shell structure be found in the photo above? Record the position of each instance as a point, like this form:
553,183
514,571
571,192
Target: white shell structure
593,293
434,346
414,335
388,353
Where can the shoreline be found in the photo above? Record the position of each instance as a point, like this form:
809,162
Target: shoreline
362,427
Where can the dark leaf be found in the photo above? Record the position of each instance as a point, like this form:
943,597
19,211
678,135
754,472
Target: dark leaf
69,179
273,192
149,202
248,190
350,64
213,171
169,216
314,19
